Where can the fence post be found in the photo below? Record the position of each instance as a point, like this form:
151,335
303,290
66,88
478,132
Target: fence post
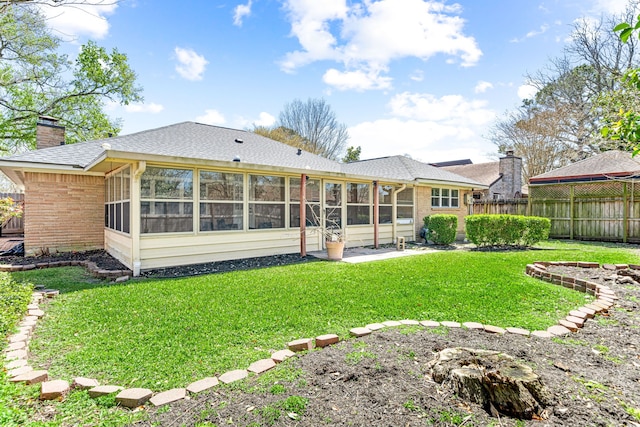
625,213
571,211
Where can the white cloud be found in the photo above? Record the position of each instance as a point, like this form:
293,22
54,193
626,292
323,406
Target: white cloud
191,66
359,80
482,86
240,11
211,117
75,20
365,37
430,128
527,91
609,6
533,33
265,119
152,108
417,76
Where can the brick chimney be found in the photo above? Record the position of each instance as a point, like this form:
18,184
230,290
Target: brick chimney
511,172
48,133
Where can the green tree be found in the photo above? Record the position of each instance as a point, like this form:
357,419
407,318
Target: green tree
36,80
353,154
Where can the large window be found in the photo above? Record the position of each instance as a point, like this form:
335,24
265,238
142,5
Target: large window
444,198
358,204
117,207
312,202
333,205
385,204
266,202
166,204
221,201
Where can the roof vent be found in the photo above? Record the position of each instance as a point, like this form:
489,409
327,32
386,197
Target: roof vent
239,141
236,159
299,151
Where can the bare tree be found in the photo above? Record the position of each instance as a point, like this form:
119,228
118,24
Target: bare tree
316,123
534,136
53,3
567,105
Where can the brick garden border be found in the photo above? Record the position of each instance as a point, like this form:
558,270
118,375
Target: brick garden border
20,372
90,266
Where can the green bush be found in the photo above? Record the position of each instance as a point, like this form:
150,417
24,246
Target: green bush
442,228
506,230
14,298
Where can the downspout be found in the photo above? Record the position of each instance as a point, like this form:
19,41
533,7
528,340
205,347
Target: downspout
135,216
394,211
303,215
376,214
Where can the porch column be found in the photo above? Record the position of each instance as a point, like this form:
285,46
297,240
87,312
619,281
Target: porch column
376,214
135,215
303,215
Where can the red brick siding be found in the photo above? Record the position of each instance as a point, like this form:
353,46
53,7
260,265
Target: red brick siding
63,212
423,208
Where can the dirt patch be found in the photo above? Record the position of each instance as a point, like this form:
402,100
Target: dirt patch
383,379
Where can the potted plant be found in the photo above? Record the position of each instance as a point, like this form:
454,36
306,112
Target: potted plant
334,242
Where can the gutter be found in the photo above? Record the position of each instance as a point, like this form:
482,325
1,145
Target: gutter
394,211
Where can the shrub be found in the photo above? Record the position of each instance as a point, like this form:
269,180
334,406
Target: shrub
442,228
506,230
14,298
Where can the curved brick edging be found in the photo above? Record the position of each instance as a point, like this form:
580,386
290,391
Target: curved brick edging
20,372
90,266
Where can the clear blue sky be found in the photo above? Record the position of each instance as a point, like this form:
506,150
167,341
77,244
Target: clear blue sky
425,78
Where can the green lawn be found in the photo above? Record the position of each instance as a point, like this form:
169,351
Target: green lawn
166,333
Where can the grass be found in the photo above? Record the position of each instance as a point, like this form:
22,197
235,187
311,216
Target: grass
166,333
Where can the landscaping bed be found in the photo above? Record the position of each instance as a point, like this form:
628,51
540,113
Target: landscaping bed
382,379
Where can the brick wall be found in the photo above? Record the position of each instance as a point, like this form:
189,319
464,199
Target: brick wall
49,135
63,212
423,208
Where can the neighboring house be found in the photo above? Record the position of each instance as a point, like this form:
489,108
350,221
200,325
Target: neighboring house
503,178
596,198
191,193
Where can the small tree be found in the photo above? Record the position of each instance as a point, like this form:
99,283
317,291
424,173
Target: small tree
353,154
9,209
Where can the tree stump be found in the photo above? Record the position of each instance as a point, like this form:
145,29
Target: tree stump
494,380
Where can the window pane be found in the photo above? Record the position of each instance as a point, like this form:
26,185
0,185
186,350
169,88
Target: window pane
454,203
264,188
454,199
220,216
126,214
312,191
118,187
161,183
126,184
266,216
405,212
435,192
313,215
106,216
118,208
385,194
445,202
333,217
385,213
358,193
166,217
107,190
445,193
358,215
435,202
221,186
405,197
333,194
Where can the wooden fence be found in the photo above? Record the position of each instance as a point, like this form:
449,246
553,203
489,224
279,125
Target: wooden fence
603,211
16,224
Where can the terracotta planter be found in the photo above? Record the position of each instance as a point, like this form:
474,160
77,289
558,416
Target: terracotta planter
335,250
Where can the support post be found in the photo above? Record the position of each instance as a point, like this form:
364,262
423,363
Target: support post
625,212
571,211
376,213
303,215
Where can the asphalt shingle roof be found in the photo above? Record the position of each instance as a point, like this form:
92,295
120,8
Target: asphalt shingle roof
402,167
607,163
186,140
189,140
484,173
